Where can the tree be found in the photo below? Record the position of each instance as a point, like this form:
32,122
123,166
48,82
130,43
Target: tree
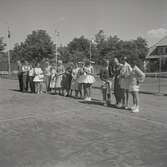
64,53
79,48
2,45
37,46
100,40
142,47
3,55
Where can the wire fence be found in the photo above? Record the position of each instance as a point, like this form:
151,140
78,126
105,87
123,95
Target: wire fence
155,83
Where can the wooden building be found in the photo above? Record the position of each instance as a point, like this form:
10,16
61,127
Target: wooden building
157,57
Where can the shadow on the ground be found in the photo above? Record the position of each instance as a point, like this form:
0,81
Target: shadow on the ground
98,102
16,90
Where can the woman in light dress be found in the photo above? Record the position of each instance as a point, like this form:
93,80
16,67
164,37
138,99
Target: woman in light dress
136,77
47,74
59,76
39,78
124,82
53,77
88,80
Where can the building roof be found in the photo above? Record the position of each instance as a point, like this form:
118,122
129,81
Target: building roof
162,42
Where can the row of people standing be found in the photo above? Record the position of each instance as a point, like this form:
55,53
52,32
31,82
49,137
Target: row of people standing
57,79
126,78
79,78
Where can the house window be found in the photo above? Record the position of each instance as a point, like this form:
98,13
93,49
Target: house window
160,50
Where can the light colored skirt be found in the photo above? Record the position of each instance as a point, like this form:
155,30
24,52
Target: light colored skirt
38,78
81,79
124,83
74,85
58,83
52,82
134,88
89,79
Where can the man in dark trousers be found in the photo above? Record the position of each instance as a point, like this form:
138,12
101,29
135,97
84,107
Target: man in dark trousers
25,77
20,75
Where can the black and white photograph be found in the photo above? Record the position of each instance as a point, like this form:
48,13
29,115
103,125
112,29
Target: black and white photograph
83,83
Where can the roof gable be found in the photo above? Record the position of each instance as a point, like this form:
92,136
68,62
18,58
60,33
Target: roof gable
162,42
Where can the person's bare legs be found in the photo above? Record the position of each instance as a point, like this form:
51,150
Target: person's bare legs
127,98
89,90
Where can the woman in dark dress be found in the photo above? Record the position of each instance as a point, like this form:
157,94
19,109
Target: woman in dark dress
117,66
66,81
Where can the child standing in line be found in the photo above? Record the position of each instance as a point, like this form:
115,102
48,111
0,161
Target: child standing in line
53,78
88,80
74,83
106,85
136,77
66,82
81,77
38,79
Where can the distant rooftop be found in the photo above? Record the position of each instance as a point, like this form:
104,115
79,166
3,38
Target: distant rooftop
162,42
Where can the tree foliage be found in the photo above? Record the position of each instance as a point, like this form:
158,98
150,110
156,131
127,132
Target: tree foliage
2,45
3,55
104,48
78,48
37,46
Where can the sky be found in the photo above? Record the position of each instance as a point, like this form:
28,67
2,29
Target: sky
127,19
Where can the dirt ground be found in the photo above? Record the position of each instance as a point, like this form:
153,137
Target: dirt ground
56,131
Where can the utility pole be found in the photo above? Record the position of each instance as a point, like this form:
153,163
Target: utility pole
9,64
90,50
57,35
159,77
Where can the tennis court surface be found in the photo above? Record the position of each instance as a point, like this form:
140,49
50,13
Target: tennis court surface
55,131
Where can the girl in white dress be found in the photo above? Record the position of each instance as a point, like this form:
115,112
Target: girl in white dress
53,78
88,80
136,77
39,78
